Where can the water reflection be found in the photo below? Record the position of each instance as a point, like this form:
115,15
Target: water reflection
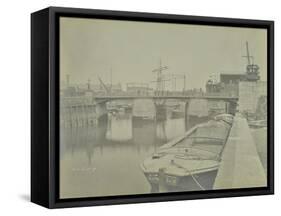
104,160
119,128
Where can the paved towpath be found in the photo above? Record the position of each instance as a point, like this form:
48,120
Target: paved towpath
240,166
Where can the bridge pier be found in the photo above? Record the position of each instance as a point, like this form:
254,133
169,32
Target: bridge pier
160,109
86,111
101,111
231,107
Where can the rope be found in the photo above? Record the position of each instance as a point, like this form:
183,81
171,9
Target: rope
195,180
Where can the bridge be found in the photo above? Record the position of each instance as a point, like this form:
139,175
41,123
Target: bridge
166,97
85,107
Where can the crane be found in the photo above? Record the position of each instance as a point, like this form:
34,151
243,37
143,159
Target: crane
248,56
252,70
103,85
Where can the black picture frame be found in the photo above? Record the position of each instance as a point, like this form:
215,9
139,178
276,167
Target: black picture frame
45,106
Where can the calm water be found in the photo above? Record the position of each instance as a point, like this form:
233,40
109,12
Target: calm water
105,160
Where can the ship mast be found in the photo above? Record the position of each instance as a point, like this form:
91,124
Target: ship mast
89,84
160,83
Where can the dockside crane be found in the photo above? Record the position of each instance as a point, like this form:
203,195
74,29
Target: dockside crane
248,56
104,85
252,70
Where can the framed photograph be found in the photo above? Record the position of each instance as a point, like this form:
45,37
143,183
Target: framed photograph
138,107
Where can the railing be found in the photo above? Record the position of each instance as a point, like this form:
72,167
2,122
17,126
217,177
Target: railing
90,100
162,93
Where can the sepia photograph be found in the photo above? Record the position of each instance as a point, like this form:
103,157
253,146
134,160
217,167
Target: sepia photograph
150,107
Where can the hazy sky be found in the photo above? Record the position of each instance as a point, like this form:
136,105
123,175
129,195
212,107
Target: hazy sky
90,47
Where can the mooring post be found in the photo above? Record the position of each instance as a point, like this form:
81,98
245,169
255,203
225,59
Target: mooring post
162,180
186,114
226,107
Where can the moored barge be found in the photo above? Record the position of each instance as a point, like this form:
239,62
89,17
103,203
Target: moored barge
190,162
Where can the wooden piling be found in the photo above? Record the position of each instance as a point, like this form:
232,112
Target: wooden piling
162,180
